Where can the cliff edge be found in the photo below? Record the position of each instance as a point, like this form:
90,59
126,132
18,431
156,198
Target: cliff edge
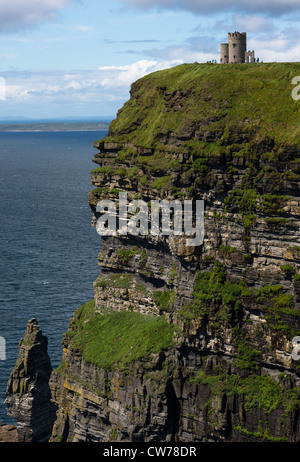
194,343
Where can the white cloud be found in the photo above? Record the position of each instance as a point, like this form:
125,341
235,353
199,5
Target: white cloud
19,14
105,89
115,76
273,7
281,46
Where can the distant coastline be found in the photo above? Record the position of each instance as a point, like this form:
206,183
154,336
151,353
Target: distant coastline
53,126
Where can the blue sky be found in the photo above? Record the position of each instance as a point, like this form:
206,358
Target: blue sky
78,58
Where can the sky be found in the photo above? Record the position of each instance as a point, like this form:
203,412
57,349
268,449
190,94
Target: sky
65,59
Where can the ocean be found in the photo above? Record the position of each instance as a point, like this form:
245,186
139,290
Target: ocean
48,249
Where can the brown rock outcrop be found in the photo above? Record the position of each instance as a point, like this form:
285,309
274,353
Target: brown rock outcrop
8,433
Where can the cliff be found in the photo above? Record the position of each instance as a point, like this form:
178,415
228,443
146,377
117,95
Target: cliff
186,343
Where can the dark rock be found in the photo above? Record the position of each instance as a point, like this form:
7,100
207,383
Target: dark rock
233,301
28,396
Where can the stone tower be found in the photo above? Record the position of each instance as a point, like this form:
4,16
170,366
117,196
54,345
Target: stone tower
235,51
224,59
237,47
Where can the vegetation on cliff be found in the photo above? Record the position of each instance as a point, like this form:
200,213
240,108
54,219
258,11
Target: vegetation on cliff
116,339
229,135
210,103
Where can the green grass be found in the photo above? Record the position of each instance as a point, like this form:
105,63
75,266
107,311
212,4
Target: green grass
118,338
243,110
215,98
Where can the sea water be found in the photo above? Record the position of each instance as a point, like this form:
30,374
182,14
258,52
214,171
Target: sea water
48,249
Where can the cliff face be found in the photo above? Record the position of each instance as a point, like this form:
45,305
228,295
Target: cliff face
187,343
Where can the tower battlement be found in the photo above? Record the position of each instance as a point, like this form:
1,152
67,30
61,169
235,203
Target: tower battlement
236,34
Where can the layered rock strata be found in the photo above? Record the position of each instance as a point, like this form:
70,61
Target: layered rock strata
197,343
28,394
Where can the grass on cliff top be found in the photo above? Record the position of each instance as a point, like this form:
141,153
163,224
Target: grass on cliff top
220,99
118,337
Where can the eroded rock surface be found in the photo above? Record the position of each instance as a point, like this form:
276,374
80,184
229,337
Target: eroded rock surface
193,343
28,393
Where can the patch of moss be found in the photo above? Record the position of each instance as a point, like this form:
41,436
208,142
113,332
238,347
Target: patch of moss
277,221
104,170
143,259
272,298
98,193
133,172
245,202
173,274
227,248
258,390
267,292
246,356
272,203
161,183
164,299
124,255
261,433
212,286
243,199
143,180
288,270
119,281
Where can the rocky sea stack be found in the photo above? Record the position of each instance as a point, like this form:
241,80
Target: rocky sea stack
28,392
181,343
